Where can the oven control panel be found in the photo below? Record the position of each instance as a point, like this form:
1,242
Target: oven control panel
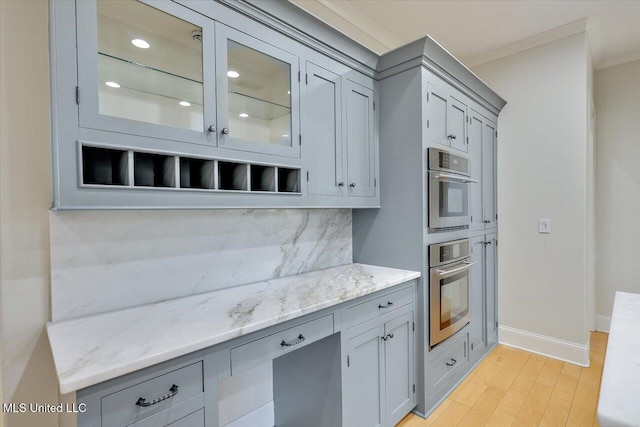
445,253
445,161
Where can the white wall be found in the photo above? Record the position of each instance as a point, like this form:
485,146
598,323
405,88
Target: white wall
542,173
25,198
617,99
298,240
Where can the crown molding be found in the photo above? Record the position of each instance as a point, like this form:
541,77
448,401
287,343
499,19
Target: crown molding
529,43
618,60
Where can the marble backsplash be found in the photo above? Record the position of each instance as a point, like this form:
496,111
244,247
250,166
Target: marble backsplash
108,260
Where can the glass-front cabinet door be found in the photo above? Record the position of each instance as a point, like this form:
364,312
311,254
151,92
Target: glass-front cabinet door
146,68
258,95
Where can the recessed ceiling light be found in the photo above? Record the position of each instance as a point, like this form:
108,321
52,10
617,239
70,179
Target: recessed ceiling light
112,84
142,44
185,103
288,92
243,115
233,74
285,136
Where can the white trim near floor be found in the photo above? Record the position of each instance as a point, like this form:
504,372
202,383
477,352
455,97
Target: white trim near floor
603,323
544,345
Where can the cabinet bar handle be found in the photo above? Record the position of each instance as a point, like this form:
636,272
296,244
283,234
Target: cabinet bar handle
352,185
453,362
341,184
172,392
389,304
293,342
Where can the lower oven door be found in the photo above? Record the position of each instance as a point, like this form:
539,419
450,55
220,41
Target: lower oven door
448,200
449,296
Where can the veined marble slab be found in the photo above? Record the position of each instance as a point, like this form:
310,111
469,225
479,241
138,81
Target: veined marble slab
619,404
93,349
103,261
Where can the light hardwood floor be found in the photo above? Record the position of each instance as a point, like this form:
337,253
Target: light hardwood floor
515,388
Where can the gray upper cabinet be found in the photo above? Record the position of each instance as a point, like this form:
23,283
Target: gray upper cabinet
363,379
190,104
457,124
322,121
438,100
360,139
136,80
476,126
447,116
258,93
489,173
482,151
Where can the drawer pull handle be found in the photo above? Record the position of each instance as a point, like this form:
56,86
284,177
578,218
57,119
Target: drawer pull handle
172,392
389,304
293,342
453,362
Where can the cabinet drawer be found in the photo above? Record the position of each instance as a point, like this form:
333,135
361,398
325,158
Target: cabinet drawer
120,408
268,348
452,360
384,304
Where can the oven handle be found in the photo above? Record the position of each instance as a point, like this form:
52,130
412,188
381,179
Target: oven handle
452,177
467,265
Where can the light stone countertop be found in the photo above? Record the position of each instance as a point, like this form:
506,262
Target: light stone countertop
93,349
619,404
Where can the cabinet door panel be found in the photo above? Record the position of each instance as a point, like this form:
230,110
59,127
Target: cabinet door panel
475,153
362,393
438,109
126,86
399,365
489,173
359,131
258,95
456,124
491,294
322,124
477,299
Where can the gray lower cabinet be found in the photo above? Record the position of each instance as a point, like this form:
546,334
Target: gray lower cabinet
477,293
379,371
491,263
363,379
483,326
169,394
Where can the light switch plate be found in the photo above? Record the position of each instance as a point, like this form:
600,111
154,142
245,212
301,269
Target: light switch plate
544,225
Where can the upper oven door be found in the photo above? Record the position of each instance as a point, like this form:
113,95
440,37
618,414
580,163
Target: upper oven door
448,199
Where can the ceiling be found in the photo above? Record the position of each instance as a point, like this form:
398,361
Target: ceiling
478,31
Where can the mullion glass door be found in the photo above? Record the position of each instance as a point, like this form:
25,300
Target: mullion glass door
257,95
142,70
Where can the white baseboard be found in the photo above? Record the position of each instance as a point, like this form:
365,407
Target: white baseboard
544,345
603,323
262,417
